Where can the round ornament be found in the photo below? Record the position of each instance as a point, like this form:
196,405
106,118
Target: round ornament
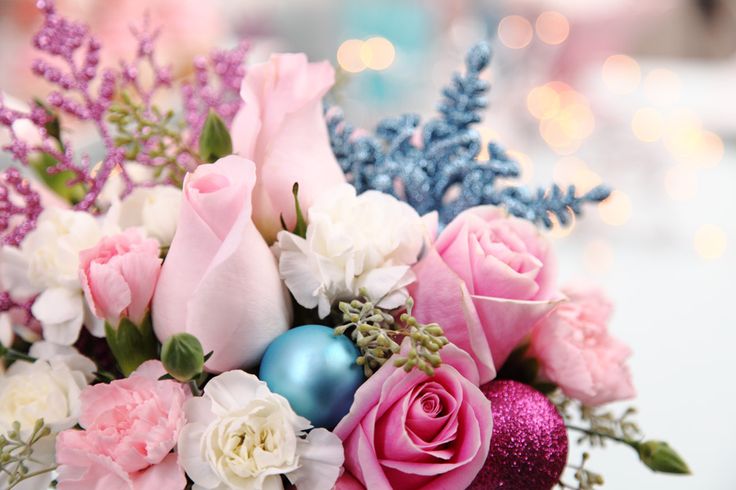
529,442
315,370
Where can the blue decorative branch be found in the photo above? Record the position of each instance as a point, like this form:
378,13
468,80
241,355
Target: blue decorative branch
435,167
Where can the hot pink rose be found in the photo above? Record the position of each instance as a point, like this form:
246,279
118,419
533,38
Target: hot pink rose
130,427
119,274
220,281
576,351
416,431
487,281
282,129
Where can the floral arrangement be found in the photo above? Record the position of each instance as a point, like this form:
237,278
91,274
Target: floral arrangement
243,292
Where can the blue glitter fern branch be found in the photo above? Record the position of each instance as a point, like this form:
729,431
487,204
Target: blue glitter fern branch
435,167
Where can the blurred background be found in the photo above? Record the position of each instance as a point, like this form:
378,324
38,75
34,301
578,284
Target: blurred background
636,94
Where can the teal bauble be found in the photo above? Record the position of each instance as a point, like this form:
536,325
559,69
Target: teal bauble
315,370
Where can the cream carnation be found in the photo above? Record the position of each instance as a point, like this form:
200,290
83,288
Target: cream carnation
47,264
47,389
368,241
241,436
154,209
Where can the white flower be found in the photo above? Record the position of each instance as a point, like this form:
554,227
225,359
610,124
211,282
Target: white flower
47,264
115,184
239,435
47,389
154,209
368,241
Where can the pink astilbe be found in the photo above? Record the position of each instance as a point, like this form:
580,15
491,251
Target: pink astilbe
119,103
20,205
220,93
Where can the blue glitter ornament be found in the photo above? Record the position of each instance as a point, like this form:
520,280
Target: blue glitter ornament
315,371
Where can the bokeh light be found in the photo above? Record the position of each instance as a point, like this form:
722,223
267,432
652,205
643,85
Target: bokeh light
515,32
598,256
616,210
647,124
564,114
710,242
349,56
573,170
543,102
559,231
621,74
681,182
552,27
377,53
712,149
662,86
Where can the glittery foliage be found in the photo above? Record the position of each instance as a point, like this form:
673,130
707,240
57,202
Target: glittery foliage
435,165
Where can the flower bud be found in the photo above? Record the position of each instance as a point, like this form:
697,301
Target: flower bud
182,356
659,456
215,141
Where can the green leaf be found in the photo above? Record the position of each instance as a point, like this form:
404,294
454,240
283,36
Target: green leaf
58,182
182,356
130,344
659,456
215,141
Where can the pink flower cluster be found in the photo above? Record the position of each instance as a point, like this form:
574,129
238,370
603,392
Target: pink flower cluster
130,427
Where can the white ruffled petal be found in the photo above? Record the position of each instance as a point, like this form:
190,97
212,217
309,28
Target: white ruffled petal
320,456
191,458
61,313
14,273
6,330
387,285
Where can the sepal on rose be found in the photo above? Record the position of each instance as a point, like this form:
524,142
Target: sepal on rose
131,344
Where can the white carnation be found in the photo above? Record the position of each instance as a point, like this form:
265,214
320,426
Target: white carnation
368,241
47,264
154,209
47,389
239,435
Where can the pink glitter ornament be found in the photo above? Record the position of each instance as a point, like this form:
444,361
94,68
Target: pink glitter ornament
529,441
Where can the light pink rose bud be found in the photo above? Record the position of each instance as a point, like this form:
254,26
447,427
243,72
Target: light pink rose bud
220,281
281,128
119,274
576,351
487,281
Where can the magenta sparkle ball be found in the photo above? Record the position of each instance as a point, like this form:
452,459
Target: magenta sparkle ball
529,441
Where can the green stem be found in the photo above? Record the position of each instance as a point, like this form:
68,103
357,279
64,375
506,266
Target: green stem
31,475
14,355
194,387
590,432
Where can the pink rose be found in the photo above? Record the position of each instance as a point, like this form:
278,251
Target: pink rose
119,274
576,351
130,427
416,431
487,281
220,281
281,128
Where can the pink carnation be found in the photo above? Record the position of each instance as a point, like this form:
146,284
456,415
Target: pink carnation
119,275
130,427
416,431
577,352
